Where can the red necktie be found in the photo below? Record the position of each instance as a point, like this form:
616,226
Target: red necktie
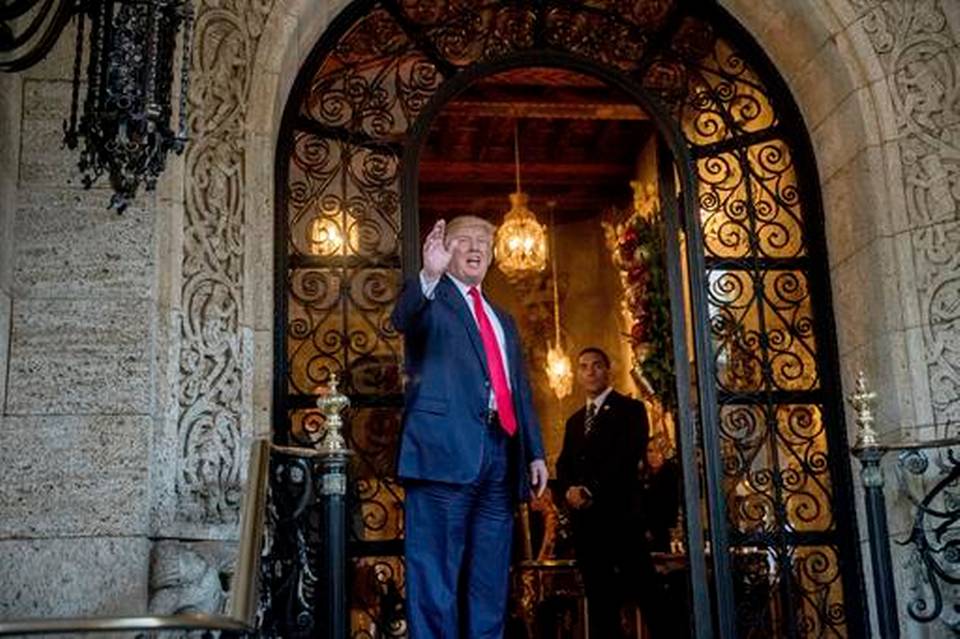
501,390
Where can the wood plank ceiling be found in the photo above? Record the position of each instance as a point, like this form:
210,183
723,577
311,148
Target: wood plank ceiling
579,141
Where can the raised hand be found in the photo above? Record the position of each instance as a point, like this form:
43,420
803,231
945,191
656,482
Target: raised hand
436,257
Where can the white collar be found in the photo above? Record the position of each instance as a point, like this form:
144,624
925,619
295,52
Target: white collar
600,399
464,288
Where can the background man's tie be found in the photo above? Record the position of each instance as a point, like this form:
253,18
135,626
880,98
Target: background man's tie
590,418
501,390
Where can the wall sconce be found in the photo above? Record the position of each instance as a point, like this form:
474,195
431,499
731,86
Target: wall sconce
325,237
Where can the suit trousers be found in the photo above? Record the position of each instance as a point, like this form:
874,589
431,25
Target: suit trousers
458,539
617,570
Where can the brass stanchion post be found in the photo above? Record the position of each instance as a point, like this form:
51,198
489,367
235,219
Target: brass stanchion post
870,454
334,456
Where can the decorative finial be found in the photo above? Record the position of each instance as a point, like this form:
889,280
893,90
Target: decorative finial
861,400
331,403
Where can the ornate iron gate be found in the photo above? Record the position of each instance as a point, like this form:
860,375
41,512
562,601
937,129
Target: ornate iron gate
785,560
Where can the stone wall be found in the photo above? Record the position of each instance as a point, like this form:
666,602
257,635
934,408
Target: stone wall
78,414
9,140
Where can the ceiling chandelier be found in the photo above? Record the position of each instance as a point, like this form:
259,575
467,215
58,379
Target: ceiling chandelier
559,369
521,245
126,127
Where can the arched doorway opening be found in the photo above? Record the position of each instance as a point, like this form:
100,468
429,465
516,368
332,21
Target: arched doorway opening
762,430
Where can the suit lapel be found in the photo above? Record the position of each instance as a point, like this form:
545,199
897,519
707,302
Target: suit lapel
450,294
581,421
607,410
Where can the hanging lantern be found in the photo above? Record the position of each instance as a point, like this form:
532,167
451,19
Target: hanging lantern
127,127
559,369
521,243
128,123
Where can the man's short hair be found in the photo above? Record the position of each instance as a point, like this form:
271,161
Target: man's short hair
466,221
598,351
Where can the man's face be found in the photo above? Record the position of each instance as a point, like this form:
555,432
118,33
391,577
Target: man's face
593,373
472,252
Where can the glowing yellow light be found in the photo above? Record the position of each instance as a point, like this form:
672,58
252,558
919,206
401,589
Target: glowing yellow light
559,372
325,236
521,243
559,369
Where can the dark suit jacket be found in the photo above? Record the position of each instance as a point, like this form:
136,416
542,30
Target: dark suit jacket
658,503
447,392
605,461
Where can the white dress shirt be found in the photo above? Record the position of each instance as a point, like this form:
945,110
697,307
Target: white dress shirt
599,399
429,289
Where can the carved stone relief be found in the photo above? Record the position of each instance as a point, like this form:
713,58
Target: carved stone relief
210,388
190,577
922,60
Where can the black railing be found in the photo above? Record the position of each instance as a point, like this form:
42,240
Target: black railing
304,568
928,478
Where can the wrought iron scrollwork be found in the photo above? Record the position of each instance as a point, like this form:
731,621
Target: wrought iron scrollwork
29,29
930,480
291,588
778,423
288,596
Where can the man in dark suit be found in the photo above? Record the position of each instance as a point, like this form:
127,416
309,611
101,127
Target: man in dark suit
597,477
471,442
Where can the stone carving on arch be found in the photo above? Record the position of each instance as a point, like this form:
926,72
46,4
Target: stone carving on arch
213,348
922,62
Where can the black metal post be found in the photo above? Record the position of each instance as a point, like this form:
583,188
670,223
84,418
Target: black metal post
332,576
886,597
333,456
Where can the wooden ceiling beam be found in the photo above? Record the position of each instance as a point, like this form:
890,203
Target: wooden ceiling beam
533,109
486,204
571,211
499,206
446,172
